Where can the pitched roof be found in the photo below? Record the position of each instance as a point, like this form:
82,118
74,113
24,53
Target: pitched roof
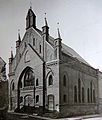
69,51
66,49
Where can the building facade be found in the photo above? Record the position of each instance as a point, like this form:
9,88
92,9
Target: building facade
45,73
3,88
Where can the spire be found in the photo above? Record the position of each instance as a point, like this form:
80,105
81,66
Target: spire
30,5
46,24
59,36
30,19
11,53
19,38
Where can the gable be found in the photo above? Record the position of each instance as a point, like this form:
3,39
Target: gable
29,58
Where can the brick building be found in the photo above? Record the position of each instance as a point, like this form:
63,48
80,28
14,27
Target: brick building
46,73
3,87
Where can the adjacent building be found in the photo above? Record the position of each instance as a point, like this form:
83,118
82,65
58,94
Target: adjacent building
3,87
45,73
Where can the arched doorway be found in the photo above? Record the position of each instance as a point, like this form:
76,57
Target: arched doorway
28,100
51,102
26,82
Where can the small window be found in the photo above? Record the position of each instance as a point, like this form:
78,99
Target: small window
33,41
64,98
13,86
37,98
37,82
50,82
40,49
64,80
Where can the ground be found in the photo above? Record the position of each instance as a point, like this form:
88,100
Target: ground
19,116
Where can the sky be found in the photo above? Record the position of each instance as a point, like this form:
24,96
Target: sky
80,24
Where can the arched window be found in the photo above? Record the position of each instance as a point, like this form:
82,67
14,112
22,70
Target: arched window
64,98
37,82
75,94
50,81
94,100
64,80
91,90
28,100
79,90
88,95
40,49
33,41
37,98
83,94
28,78
13,86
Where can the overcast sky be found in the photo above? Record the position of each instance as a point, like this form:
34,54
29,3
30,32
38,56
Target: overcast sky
80,25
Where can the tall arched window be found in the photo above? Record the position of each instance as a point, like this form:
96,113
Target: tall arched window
88,95
33,41
64,80
28,78
91,90
37,98
64,98
37,82
79,90
94,100
13,86
40,49
50,81
83,94
75,94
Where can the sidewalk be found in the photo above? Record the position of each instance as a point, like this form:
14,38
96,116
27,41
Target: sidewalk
81,117
46,118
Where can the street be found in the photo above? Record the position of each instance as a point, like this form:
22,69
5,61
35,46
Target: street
96,118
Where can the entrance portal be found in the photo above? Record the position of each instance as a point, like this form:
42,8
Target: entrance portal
51,102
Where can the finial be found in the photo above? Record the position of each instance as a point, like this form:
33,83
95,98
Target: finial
45,15
11,53
19,38
59,36
30,4
46,24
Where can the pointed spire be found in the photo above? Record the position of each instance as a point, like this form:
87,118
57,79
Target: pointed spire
11,53
30,5
19,38
46,24
59,36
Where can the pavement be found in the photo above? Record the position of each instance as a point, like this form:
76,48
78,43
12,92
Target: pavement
85,117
